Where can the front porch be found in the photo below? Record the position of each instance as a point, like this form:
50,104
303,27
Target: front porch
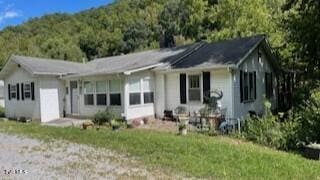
128,97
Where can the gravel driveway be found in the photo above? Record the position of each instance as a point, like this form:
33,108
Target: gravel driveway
25,158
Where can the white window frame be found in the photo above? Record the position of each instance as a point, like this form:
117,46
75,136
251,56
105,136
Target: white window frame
89,93
151,81
26,91
140,91
114,92
13,90
95,95
200,87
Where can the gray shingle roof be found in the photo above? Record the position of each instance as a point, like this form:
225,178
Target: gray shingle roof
220,53
49,66
196,55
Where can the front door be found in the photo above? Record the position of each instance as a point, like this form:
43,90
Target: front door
74,93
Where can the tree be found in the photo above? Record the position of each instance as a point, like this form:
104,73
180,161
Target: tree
303,24
235,18
191,18
169,24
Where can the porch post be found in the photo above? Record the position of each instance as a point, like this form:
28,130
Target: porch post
160,94
126,96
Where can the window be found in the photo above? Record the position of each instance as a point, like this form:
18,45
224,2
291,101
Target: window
101,91
269,85
245,86
115,92
27,91
13,91
135,92
248,80
88,91
251,86
194,88
147,91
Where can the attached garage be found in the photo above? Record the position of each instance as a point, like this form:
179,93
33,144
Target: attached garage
34,89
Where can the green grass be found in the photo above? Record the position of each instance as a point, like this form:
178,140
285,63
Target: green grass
192,155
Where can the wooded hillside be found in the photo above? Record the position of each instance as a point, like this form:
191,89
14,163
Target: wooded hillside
133,25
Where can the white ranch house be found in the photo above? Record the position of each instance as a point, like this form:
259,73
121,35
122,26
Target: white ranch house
143,84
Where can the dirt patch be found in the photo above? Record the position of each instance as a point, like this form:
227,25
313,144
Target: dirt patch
160,125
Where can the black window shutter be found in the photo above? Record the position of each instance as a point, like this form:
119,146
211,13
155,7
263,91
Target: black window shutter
9,94
255,84
22,92
18,91
206,86
32,90
183,89
241,86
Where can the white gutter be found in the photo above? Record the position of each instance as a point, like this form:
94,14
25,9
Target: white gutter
228,67
141,69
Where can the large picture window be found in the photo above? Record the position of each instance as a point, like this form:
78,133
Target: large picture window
115,92
88,91
101,93
135,92
194,88
147,91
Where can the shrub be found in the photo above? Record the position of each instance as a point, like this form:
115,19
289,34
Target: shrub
265,130
268,130
308,117
301,127
2,112
103,117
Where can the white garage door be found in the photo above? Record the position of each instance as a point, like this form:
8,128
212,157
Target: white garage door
49,104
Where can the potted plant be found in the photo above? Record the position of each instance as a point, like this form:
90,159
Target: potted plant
182,129
181,112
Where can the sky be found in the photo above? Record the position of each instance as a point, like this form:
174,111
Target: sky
14,12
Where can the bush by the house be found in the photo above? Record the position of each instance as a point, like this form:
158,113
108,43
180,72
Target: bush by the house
265,130
308,118
103,117
2,111
301,127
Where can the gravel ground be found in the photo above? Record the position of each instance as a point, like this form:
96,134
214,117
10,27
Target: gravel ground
62,160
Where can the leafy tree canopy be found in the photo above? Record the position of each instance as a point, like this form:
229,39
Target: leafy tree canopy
292,27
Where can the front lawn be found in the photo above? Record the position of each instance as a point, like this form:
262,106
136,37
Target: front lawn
193,155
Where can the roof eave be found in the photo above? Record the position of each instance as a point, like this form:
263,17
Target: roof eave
249,52
212,67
